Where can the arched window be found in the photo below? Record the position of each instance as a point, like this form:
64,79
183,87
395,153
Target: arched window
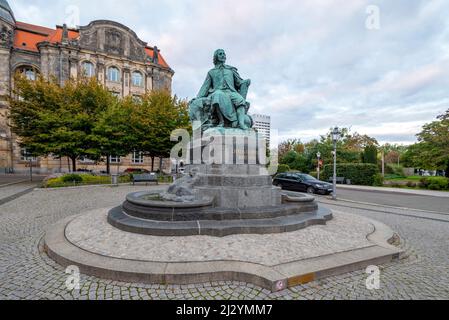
137,79
113,74
28,72
88,69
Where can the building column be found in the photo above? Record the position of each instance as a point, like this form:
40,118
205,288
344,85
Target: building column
6,143
126,83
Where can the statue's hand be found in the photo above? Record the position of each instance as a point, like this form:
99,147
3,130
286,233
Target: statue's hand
248,82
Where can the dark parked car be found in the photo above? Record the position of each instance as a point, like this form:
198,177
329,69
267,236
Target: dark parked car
302,183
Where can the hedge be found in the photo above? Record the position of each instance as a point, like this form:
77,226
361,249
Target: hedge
359,173
434,183
70,180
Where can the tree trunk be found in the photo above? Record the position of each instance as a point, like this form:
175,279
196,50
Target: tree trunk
73,163
108,164
152,164
160,164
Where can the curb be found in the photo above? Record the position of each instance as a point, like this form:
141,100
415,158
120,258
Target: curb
384,206
395,190
274,278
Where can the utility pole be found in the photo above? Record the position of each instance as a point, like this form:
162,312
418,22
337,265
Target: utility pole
319,164
335,137
31,169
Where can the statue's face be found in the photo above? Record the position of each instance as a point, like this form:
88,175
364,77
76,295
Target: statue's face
221,56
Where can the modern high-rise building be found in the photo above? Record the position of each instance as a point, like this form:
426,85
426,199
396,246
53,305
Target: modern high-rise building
104,49
262,123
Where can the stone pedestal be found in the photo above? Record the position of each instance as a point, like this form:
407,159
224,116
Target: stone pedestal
237,186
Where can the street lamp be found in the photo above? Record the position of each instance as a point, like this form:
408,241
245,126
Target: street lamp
335,137
318,155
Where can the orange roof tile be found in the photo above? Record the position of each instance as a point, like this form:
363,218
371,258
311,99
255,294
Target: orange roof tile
27,37
161,59
34,28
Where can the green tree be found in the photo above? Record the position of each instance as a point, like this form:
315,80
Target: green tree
370,154
432,150
154,119
295,161
58,120
434,138
290,145
113,133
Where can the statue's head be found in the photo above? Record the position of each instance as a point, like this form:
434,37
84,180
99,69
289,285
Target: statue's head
219,56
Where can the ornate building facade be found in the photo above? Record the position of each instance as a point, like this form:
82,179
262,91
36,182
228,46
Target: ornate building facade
108,50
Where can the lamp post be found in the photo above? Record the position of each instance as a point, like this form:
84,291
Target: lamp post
335,137
318,155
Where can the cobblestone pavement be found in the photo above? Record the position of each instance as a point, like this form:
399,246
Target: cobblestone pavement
7,193
27,273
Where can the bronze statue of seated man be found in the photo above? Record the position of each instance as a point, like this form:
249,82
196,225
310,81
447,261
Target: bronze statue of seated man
222,98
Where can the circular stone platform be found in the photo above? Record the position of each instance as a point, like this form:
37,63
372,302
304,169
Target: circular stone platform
273,261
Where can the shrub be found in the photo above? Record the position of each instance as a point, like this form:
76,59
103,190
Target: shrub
74,178
314,174
358,173
396,170
424,183
434,186
437,183
283,168
434,183
378,180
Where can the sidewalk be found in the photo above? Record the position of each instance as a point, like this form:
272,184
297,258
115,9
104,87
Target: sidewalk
429,193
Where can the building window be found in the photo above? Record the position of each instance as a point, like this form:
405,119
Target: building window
126,79
85,160
137,79
113,74
137,99
115,159
25,156
88,69
115,94
137,157
28,72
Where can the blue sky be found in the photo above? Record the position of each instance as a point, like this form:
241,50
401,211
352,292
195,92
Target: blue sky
313,63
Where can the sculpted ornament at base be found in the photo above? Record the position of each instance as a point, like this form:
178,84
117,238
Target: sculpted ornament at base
221,102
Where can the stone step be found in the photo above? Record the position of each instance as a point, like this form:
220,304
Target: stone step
209,213
124,222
